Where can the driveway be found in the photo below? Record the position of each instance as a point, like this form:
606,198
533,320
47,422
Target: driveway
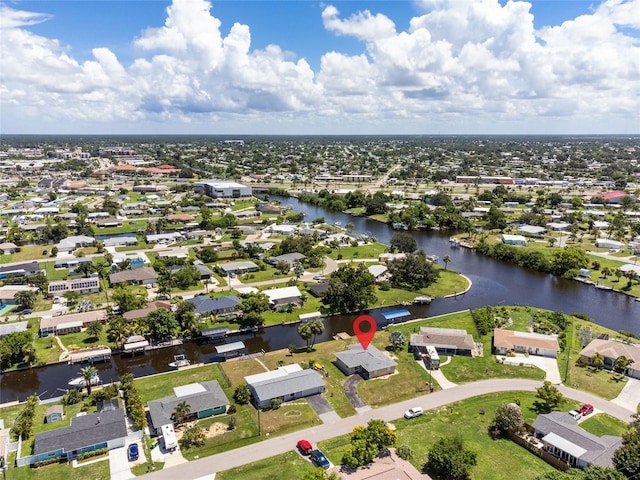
549,365
323,408
119,464
351,391
630,395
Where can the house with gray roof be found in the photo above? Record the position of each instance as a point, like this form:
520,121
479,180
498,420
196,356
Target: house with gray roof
290,258
9,328
214,305
562,438
238,267
85,434
287,383
204,399
137,276
369,363
20,270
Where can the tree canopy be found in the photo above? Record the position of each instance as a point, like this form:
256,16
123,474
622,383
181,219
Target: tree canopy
403,242
351,289
449,459
550,396
413,272
367,442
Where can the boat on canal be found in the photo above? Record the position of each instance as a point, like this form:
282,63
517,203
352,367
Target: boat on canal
422,300
179,361
79,382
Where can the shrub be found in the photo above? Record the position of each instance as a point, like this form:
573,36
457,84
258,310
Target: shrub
72,397
405,452
275,403
232,409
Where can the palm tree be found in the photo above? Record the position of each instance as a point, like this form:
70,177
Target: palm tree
597,361
446,260
304,330
182,411
316,327
25,298
118,331
88,373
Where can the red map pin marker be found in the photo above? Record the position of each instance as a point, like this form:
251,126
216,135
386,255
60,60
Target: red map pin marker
365,335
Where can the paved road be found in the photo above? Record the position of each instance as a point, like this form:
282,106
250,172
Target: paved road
284,443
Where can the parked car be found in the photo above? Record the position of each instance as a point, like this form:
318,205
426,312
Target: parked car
413,412
319,459
27,311
133,452
304,446
575,414
586,409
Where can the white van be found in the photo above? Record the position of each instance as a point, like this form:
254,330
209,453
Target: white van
576,415
413,412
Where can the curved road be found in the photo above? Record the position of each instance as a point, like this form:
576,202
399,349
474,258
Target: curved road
278,445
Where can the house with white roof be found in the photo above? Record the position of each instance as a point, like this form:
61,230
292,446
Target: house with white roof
69,244
283,296
287,383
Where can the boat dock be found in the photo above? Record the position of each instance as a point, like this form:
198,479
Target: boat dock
91,355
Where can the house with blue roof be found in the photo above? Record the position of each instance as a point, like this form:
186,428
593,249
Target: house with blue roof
214,305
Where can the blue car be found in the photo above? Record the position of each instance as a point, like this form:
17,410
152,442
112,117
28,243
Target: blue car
319,459
132,452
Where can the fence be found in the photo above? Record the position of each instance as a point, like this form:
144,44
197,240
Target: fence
539,451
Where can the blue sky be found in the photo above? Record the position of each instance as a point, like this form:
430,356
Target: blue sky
299,67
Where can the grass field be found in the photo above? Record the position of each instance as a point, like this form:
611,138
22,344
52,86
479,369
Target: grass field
498,459
603,424
26,253
94,471
294,464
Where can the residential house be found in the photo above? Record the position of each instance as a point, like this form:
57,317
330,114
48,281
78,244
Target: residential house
283,296
70,323
54,413
205,305
447,341
143,312
286,383
78,285
163,237
388,257
9,328
85,434
69,244
318,289
8,248
562,438
20,270
138,276
8,293
611,351
369,363
205,272
609,243
290,258
379,272
238,268
71,263
204,399
513,239
525,342
531,230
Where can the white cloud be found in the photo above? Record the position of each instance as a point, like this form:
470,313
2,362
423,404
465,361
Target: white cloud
461,62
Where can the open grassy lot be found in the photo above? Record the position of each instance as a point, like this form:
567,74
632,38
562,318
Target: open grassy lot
161,385
469,369
499,459
603,424
410,379
293,463
26,253
83,340
53,273
369,250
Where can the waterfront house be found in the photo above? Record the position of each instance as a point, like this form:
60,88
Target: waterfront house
369,363
138,276
447,341
283,296
69,244
205,305
525,342
611,350
514,239
15,327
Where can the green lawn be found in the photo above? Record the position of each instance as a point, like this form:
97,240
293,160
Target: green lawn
54,274
157,386
603,424
26,253
94,471
369,250
270,468
470,419
410,379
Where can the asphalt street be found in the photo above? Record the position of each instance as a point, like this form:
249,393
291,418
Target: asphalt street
281,444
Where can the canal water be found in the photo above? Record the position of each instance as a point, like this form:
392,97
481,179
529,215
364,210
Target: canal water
494,283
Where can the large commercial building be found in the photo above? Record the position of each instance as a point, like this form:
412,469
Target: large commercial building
223,189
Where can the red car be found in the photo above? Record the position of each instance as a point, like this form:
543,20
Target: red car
304,446
586,409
